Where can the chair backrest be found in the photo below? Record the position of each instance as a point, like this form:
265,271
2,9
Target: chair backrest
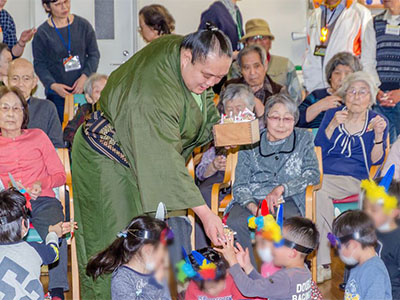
69,107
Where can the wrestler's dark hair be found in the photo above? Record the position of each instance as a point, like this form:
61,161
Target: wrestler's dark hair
12,214
124,248
205,41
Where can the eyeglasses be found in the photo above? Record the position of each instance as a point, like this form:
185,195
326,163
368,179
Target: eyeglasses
276,119
16,109
353,92
16,79
258,37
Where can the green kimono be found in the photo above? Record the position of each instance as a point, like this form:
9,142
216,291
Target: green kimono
157,124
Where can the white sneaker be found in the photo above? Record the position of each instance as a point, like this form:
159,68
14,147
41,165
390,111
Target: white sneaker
323,274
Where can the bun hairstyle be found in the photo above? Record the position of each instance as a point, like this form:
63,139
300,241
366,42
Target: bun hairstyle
141,231
205,41
158,18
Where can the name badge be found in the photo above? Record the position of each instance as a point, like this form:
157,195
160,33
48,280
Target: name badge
392,29
72,63
320,50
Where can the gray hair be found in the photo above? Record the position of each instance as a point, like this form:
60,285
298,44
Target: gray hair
344,59
355,77
238,91
88,87
252,48
285,99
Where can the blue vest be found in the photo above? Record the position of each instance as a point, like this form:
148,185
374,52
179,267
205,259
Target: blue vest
387,55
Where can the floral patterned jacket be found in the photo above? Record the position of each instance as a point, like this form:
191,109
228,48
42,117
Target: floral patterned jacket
261,167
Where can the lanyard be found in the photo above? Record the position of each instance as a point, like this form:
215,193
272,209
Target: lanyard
67,46
238,25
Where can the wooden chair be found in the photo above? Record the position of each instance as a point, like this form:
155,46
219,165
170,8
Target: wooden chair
191,215
351,202
69,107
229,179
311,206
68,110
64,157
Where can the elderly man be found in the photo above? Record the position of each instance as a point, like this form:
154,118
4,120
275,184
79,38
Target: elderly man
253,65
42,113
279,68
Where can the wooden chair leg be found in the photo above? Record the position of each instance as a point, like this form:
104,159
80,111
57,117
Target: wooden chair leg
192,219
75,272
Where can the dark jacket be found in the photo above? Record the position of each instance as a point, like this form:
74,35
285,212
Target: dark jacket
219,15
43,115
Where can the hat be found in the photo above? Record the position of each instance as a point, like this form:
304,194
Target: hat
257,27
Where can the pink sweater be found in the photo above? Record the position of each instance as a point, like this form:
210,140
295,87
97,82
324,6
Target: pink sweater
31,157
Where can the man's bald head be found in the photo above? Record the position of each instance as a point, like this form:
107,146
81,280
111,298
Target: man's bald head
21,75
20,63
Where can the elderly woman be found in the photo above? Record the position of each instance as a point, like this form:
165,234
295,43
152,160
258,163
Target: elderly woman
235,98
155,21
281,165
29,156
352,138
92,89
313,108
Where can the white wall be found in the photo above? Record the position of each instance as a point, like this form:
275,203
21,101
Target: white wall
284,17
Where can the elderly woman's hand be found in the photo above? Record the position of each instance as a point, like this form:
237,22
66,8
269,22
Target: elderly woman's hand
219,163
273,197
330,102
35,190
259,107
378,124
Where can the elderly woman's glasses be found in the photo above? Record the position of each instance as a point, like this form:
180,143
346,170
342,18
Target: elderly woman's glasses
354,92
16,109
276,119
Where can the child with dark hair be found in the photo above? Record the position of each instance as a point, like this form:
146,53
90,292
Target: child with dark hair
381,203
299,238
219,285
20,261
137,260
354,236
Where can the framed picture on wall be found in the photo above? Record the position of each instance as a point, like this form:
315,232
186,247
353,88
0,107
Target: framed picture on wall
373,4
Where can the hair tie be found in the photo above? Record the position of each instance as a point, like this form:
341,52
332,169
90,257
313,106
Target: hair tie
211,27
122,234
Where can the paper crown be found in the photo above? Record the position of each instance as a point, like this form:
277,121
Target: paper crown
378,193
266,225
207,270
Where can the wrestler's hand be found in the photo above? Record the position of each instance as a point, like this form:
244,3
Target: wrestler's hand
212,224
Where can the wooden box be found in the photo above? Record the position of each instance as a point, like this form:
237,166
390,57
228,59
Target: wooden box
236,134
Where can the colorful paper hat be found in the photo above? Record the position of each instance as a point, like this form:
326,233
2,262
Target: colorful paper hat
378,193
266,225
207,270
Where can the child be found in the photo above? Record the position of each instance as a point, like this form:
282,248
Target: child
354,236
20,261
218,285
299,238
381,204
137,260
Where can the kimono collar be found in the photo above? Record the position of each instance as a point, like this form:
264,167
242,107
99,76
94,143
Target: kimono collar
284,146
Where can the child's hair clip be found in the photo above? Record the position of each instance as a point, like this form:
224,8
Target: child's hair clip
122,234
